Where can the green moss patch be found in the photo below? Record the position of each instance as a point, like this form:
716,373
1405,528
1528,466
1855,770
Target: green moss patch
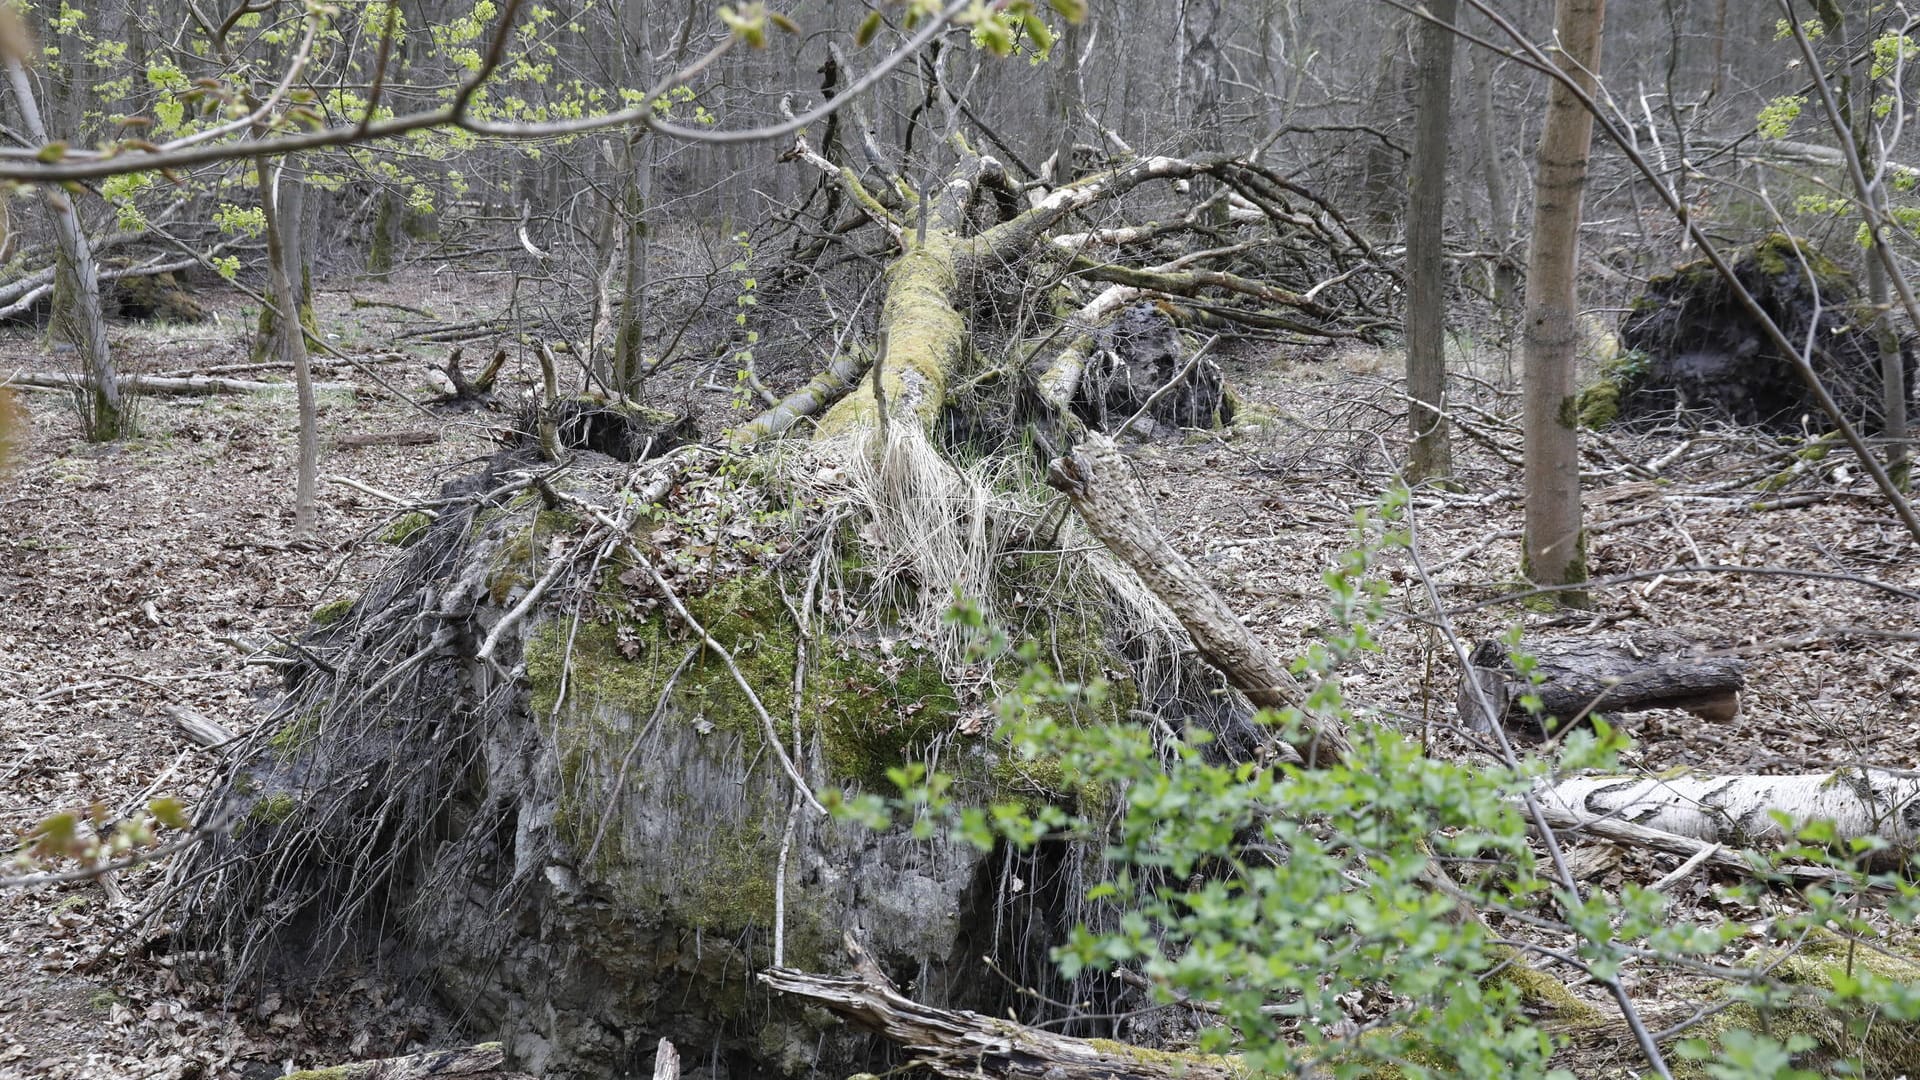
1882,1044
407,529
870,711
332,611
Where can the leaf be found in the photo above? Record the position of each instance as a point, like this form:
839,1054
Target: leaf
869,26
51,153
785,24
1074,11
169,811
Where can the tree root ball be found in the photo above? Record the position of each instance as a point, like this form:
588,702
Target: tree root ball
1689,343
1137,355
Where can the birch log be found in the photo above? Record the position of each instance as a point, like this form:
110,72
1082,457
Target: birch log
1738,810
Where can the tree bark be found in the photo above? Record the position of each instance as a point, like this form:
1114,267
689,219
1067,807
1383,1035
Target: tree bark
1739,810
291,343
78,280
1586,675
1431,455
1554,550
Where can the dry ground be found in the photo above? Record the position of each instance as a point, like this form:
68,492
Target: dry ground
144,576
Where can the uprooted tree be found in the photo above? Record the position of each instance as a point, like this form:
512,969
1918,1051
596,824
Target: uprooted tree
569,760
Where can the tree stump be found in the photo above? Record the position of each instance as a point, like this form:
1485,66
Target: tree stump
1612,674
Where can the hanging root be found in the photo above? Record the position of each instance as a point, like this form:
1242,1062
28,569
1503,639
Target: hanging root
931,532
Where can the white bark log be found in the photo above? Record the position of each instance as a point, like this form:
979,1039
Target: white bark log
191,386
1738,810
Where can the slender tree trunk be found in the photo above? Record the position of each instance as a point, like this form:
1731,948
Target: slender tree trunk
1066,102
290,209
1893,375
1432,453
1555,545
291,341
1494,176
636,165
77,280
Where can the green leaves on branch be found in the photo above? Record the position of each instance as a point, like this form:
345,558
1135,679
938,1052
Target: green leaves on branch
748,23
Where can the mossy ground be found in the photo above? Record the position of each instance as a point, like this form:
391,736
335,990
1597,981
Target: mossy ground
1875,1043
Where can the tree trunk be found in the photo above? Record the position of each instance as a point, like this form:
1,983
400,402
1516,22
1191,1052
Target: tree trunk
1494,176
1555,544
1431,455
289,212
290,341
79,321
1893,381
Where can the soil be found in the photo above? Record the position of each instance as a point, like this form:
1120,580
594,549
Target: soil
159,574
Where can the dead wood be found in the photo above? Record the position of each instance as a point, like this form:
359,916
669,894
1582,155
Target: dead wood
483,1062
410,437
1100,485
1611,674
198,729
188,386
968,1046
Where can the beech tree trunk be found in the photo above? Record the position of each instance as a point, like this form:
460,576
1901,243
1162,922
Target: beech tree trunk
1554,551
77,281
1431,455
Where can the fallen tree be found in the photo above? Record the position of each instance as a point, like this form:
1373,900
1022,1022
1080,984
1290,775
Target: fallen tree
567,758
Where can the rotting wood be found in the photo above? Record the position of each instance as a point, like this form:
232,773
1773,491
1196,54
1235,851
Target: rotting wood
408,437
200,730
1620,673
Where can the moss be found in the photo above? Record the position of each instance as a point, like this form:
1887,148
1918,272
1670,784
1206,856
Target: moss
513,566
1174,1062
925,336
269,811
873,712
1540,992
1884,1045
332,611
1599,404
1568,414
407,529
102,1001
1775,254
296,734
1814,452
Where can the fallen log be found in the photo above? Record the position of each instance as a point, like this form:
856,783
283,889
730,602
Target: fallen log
420,437
189,386
968,1046
200,730
1739,810
1096,479
1613,674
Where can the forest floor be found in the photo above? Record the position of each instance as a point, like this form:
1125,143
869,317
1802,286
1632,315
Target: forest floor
144,577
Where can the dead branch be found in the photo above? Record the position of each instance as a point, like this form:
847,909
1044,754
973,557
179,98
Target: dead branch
967,1046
